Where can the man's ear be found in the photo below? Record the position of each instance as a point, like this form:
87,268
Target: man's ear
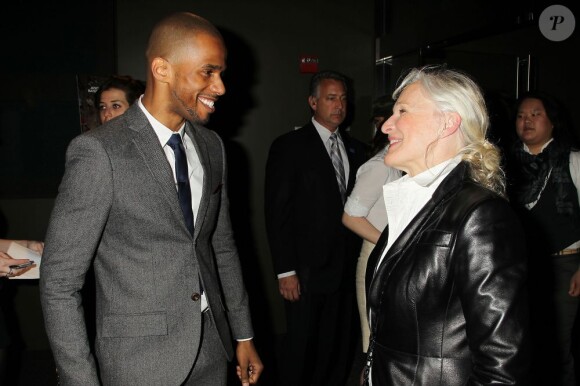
161,69
312,102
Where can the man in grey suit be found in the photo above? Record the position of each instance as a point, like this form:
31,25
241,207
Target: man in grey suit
169,295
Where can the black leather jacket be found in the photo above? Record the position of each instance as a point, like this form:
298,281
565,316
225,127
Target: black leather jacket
448,303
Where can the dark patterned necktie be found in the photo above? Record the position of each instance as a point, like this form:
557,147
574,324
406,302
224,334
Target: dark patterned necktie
338,165
182,174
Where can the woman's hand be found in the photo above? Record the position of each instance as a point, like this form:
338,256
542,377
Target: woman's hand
37,246
7,266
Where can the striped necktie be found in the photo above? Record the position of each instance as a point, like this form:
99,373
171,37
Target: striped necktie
338,165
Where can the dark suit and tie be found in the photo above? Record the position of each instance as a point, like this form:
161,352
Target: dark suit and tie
314,255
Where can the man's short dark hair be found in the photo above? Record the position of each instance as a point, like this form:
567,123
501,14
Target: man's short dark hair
322,75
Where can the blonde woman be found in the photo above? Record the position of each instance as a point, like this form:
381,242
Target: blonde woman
447,298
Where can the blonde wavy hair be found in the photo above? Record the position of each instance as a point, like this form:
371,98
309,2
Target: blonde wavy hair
455,91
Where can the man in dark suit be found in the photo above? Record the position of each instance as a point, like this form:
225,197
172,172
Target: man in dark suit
309,174
144,200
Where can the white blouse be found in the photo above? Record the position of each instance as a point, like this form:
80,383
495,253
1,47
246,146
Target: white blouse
366,199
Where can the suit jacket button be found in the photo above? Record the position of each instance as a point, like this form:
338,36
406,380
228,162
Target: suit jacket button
195,297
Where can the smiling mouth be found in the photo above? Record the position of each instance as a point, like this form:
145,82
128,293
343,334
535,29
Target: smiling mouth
207,102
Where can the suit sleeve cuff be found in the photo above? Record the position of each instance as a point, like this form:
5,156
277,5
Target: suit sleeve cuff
286,274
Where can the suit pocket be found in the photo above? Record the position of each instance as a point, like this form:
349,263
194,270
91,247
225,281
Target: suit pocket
132,325
436,238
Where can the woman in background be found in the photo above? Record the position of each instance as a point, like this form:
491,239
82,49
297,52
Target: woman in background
447,299
116,95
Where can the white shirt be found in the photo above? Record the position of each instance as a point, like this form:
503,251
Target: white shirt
366,199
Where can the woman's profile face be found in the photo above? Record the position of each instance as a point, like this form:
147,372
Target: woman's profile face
113,103
533,125
412,130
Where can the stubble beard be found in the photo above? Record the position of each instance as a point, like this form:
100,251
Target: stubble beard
193,116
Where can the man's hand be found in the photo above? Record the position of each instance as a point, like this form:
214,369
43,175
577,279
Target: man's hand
249,365
289,287
575,284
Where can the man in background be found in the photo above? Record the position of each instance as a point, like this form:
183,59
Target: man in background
309,173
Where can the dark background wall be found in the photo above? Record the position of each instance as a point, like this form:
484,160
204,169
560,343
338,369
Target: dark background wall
492,40
44,46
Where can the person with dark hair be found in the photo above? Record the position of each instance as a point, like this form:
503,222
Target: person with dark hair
144,201
116,94
447,295
382,109
309,174
544,177
364,211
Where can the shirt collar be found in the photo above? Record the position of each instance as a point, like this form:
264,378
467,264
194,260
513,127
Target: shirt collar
323,131
436,173
163,132
527,149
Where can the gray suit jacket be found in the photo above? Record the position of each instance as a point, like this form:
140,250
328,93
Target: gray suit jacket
117,208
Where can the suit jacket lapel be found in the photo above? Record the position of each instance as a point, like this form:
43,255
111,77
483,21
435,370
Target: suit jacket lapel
203,154
153,156
319,151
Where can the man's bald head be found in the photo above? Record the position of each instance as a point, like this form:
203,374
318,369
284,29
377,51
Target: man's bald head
170,34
